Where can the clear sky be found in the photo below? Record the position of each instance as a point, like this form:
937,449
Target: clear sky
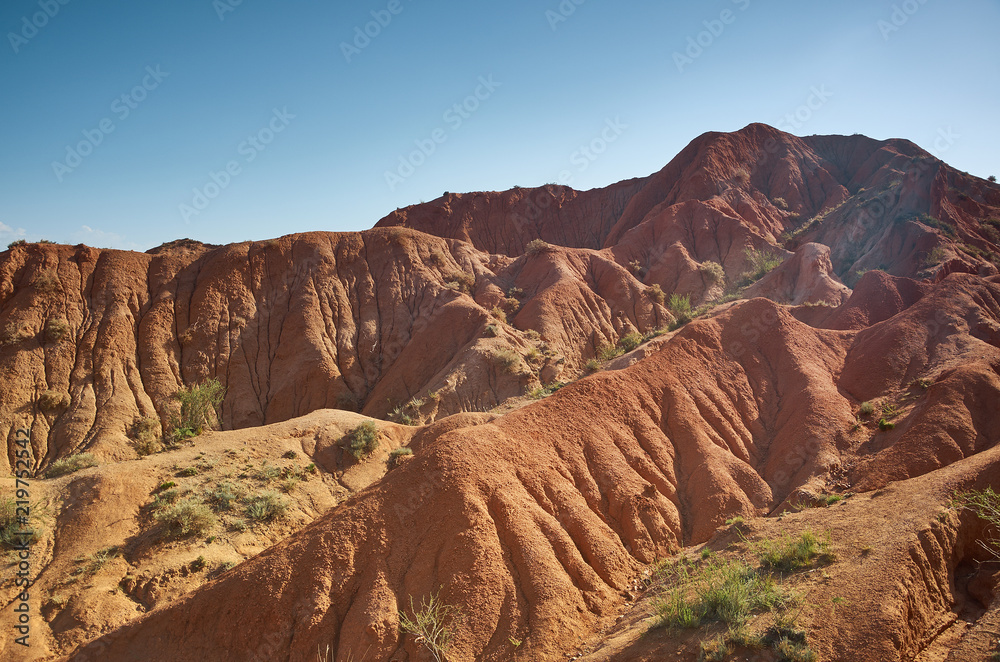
127,124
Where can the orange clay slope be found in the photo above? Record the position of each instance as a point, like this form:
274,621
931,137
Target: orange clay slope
92,341
535,523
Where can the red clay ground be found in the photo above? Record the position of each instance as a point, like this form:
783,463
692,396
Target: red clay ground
538,523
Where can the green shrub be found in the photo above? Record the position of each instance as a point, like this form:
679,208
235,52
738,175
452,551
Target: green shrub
499,314
608,352
655,293
635,266
70,464
165,497
189,517
539,393
400,416
50,401
715,650
986,505
725,591
225,566
885,425
395,457
461,282
491,331
433,624
16,242
507,359
760,263
56,329
14,333
145,432
8,522
780,203
593,365
712,272
629,341
188,472
93,563
789,553
936,256
536,246
680,305
679,322
362,440
266,506
867,409
198,409
47,282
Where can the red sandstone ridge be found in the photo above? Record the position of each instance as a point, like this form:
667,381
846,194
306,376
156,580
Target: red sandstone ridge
724,284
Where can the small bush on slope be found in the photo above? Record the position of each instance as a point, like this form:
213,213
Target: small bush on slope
199,409
433,623
362,440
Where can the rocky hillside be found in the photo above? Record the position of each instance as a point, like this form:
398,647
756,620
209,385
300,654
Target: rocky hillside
769,321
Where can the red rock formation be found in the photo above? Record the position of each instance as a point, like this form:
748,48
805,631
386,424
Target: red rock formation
536,521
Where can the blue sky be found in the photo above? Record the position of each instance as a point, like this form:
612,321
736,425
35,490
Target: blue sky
128,124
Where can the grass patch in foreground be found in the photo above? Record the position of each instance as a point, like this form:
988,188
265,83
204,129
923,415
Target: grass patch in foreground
732,592
728,592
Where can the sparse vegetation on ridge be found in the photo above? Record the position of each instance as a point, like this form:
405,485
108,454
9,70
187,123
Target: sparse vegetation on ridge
507,359
56,329
433,623
188,517
145,432
680,305
71,464
655,293
712,272
198,409
733,592
760,262
536,246
986,505
362,441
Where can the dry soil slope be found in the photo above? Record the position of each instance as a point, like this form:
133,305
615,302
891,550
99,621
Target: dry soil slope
534,523
361,321
371,321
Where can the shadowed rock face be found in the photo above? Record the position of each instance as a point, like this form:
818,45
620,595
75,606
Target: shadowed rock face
536,521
